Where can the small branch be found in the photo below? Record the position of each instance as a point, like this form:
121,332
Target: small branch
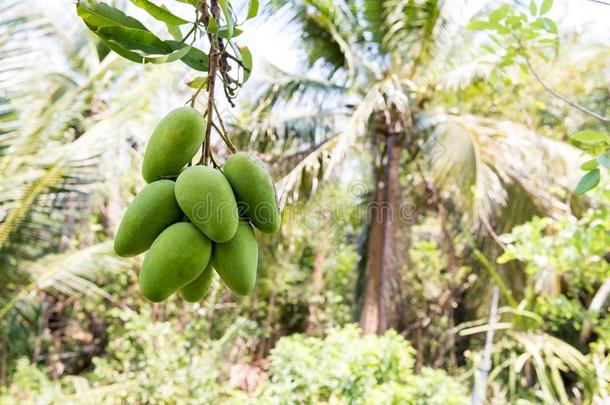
214,54
559,96
214,161
605,3
224,134
188,34
194,97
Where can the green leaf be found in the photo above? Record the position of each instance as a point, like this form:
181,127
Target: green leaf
604,161
549,25
488,48
174,31
212,25
197,82
499,13
224,6
174,56
590,165
135,39
546,6
478,25
224,32
98,15
129,55
587,182
533,8
159,13
191,2
589,137
195,58
246,60
252,9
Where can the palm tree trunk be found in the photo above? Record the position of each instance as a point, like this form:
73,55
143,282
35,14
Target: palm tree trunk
381,274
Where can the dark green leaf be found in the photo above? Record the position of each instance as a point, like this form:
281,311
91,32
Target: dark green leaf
587,182
252,9
590,165
98,15
589,137
159,13
129,55
546,6
134,39
195,58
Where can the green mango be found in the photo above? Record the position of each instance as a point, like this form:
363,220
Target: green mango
254,189
198,288
173,143
205,196
177,257
153,209
236,260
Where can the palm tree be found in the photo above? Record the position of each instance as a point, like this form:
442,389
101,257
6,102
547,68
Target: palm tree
378,74
67,109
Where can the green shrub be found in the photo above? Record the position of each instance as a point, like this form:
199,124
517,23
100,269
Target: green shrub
346,367
146,362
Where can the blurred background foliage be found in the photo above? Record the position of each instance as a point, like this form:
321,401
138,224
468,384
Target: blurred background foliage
395,103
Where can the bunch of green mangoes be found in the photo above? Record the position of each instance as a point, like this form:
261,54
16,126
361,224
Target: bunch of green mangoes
194,219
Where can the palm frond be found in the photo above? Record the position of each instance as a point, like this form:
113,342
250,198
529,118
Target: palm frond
335,149
329,31
495,155
70,273
279,134
281,88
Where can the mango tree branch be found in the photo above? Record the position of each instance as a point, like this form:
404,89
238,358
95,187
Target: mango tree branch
214,54
559,96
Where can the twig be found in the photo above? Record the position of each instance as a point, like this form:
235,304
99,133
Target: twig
213,160
188,34
559,96
224,135
194,97
214,53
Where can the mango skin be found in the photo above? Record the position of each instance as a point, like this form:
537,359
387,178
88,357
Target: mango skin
173,143
254,189
153,209
177,257
198,288
206,197
236,261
